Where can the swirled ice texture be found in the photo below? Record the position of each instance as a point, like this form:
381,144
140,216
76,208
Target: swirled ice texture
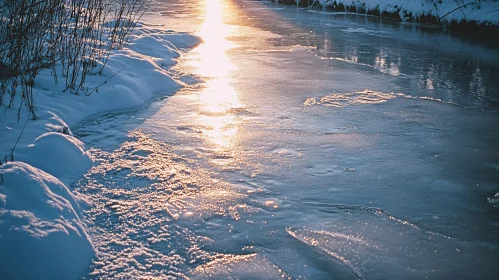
375,245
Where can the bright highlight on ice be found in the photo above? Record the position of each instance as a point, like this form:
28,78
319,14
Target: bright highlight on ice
213,63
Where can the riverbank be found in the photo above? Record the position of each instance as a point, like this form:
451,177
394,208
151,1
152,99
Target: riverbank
41,231
458,16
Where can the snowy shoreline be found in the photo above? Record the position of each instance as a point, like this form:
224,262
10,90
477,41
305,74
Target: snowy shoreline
469,15
41,232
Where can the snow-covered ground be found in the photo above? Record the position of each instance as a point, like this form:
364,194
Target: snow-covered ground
40,228
482,12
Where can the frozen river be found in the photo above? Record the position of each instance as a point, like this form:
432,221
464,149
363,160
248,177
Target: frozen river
305,145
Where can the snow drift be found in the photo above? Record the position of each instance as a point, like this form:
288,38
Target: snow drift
481,12
41,233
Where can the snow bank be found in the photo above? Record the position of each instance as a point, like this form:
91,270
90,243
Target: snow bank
59,154
131,77
41,234
485,12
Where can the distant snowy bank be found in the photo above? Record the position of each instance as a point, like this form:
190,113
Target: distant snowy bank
479,12
41,234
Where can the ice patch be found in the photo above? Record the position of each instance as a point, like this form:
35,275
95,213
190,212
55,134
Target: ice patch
310,101
371,242
287,152
364,97
363,31
494,200
252,266
145,198
320,170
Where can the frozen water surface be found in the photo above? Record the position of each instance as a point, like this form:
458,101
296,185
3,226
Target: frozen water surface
304,145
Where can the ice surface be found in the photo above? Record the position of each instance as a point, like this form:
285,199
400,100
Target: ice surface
251,266
155,197
392,182
374,244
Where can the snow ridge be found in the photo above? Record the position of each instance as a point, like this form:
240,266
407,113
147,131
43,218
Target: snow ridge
481,12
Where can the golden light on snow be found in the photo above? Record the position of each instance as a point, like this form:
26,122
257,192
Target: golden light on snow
218,97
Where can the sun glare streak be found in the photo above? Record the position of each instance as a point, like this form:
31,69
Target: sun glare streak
212,62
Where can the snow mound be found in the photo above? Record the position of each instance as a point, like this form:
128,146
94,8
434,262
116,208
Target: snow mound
61,155
132,76
154,45
161,46
41,234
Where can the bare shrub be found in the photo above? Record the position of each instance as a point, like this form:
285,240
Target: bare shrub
72,34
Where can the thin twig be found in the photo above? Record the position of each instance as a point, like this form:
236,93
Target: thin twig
462,6
11,155
103,83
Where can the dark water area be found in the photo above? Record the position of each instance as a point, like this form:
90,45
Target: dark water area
452,66
467,30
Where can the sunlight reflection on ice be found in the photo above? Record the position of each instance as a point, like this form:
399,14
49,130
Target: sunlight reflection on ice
218,97
140,189
213,61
